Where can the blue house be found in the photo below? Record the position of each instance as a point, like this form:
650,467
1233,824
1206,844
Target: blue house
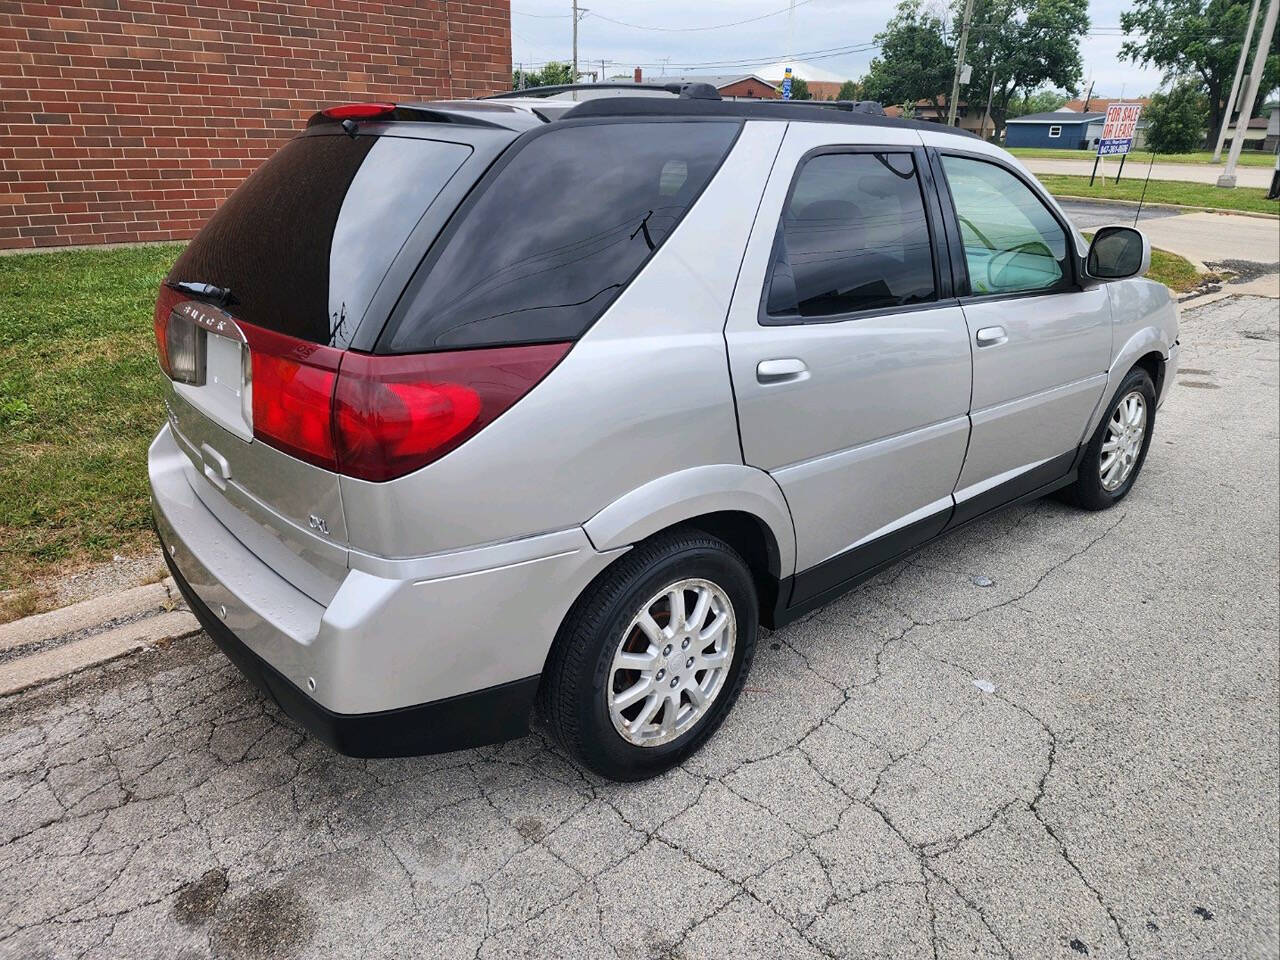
1061,129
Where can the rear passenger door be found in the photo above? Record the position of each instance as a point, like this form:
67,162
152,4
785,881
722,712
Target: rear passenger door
1041,340
849,355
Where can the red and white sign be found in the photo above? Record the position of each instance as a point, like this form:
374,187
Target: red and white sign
1119,128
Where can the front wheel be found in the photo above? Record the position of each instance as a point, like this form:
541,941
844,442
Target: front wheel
1118,448
652,657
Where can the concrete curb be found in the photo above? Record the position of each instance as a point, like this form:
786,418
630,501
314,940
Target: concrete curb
47,646
1101,202
69,658
87,614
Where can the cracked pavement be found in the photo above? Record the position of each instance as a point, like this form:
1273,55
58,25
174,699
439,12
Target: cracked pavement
1053,734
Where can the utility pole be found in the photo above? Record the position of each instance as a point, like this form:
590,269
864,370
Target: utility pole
1228,178
1235,84
577,13
955,84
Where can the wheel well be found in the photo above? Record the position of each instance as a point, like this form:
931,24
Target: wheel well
753,541
1153,363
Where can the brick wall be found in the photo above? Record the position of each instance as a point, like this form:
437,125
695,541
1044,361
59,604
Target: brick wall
128,120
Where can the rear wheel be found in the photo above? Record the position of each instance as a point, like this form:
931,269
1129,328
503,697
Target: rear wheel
1118,448
652,657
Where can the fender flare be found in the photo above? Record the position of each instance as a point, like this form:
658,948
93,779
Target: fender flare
1149,339
694,492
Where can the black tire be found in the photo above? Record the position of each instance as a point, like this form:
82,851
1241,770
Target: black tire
1088,492
574,691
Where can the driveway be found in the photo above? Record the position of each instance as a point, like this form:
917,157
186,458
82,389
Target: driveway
1052,735
1189,172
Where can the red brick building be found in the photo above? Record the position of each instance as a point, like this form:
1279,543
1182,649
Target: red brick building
128,120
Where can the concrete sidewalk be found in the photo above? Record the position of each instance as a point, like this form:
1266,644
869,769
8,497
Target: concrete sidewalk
1187,172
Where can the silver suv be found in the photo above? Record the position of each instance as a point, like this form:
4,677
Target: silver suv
485,407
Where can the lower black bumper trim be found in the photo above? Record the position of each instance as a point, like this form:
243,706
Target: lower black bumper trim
454,723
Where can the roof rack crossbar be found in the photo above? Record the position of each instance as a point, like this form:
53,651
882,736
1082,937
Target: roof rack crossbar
872,107
687,91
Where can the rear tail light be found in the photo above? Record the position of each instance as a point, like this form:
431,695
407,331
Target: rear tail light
380,417
291,386
394,414
370,417
180,343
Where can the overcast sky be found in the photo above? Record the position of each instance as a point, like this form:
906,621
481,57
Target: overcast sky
831,34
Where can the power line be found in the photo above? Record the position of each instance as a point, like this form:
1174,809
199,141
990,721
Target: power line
718,26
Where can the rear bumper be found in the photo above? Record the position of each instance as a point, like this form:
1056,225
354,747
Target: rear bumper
408,656
455,723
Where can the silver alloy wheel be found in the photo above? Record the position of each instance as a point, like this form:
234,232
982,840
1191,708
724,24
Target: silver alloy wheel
1120,450
671,662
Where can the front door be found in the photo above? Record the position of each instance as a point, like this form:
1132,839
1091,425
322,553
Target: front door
850,360
1041,342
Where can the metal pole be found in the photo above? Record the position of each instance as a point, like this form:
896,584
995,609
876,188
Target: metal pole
1228,178
1121,170
1235,84
955,84
574,77
987,113
1096,158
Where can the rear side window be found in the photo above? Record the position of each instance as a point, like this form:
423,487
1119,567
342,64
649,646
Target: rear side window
556,234
853,236
305,241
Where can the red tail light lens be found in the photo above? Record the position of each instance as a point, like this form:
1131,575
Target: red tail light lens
380,417
358,111
393,415
293,385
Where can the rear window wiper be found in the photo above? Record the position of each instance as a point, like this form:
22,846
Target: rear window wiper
207,291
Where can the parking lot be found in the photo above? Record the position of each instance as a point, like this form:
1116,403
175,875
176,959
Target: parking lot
1052,735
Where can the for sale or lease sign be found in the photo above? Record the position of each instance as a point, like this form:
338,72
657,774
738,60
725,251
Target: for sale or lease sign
1119,128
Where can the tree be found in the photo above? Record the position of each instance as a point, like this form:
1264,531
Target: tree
1195,38
1042,101
1175,120
915,63
552,75
1019,46
848,91
800,89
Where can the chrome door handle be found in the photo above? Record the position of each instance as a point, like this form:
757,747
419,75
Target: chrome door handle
781,370
990,336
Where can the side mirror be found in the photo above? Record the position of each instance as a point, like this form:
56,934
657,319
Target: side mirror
1117,253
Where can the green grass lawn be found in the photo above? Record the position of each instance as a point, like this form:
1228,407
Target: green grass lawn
1248,158
1205,195
79,403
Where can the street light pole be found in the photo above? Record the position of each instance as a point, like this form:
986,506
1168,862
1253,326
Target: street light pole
574,77
1235,84
1228,178
963,42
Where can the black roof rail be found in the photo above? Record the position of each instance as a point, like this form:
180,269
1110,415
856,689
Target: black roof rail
870,107
687,91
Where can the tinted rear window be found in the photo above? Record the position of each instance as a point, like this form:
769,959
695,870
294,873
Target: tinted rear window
557,232
854,236
304,242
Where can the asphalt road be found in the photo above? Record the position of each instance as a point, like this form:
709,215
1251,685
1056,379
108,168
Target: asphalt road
1052,735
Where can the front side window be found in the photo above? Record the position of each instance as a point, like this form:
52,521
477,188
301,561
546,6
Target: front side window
1012,243
854,236
1054,132
558,233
